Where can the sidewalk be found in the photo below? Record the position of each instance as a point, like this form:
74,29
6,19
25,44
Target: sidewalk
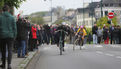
21,63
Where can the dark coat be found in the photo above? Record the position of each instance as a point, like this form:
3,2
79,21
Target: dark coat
94,30
7,26
22,29
72,32
105,34
58,34
47,29
115,33
120,36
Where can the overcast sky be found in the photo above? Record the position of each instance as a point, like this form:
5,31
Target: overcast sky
31,6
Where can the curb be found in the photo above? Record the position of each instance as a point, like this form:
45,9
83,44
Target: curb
23,64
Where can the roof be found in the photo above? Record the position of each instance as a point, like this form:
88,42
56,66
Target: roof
80,10
91,6
111,1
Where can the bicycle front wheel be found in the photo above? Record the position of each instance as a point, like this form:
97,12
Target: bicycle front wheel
61,49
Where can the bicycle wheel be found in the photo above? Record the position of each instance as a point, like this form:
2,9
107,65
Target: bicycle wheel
61,48
74,46
75,43
81,44
80,47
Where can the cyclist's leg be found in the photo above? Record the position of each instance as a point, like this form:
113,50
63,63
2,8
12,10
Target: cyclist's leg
79,40
82,41
57,41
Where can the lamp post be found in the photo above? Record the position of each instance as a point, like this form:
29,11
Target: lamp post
92,11
101,8
83,14
50,10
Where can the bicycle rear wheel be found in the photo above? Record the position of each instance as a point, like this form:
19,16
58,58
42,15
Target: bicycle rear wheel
81,44
75,43
80,47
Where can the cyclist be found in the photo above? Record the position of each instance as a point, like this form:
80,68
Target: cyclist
81,32
65,32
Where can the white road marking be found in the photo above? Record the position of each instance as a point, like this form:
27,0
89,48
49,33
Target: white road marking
115,46
83,47
46,48
109,54
98,46
66,47
118,57
99,52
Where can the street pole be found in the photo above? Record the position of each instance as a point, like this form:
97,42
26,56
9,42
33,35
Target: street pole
83,14
101,8
92,11
51,12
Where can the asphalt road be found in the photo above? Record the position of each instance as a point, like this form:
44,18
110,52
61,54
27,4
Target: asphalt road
90,57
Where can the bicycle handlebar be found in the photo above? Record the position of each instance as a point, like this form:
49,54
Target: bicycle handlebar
61,31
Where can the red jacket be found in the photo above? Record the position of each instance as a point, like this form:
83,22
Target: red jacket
34,33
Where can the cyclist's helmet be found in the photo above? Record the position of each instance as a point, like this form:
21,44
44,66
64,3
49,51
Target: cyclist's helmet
81,27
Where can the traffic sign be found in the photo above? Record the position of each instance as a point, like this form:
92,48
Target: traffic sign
110,15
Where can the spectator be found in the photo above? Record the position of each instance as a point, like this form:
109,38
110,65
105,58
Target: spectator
99,34
106,35
76,29
89,37
27,40
47,34
119,34
22,36
55,34
38,35
111,29
94,32
115,35
34,37
8,33
52,34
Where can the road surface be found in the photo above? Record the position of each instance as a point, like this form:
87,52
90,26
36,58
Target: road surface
90,57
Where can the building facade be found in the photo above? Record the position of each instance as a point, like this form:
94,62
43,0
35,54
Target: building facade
54,15
109,6
86,16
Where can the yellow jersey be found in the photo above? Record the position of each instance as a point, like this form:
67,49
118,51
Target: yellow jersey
84,32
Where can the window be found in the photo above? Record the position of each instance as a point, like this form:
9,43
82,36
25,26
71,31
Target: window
120,4
78,16
78,23
86,23
106,5
106,13
111,5
102,5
